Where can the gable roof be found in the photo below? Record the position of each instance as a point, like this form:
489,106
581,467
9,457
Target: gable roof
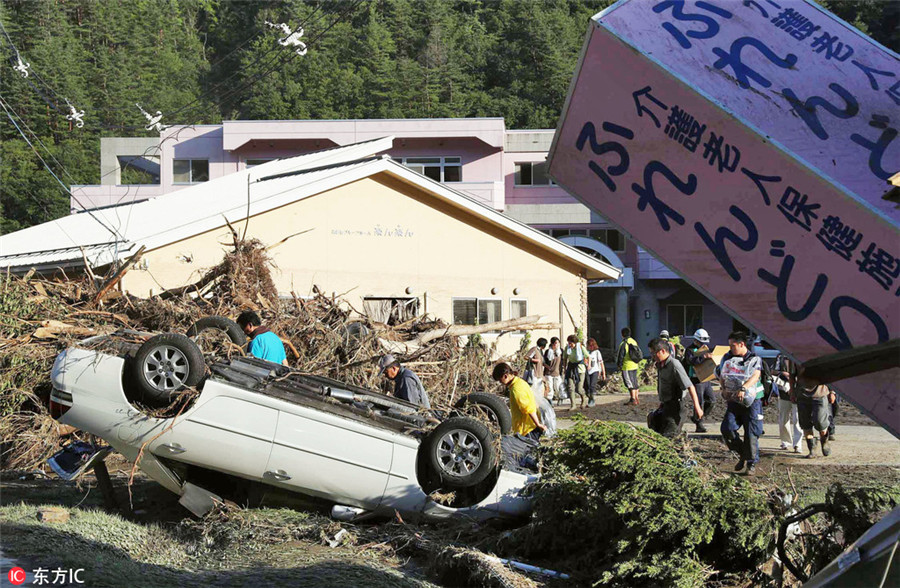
175,216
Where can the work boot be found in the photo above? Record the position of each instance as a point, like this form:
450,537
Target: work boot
739,466
811,444
826,450
700,428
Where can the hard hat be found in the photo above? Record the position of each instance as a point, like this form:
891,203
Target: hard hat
701,335
664,334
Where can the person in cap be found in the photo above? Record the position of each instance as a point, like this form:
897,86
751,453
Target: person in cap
693,356
664,335
407,385
263,344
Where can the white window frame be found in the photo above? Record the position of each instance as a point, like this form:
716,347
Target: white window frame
443,163
511,301
550,181
191,168
478,302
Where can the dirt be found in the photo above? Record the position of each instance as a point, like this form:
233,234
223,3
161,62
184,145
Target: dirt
848,414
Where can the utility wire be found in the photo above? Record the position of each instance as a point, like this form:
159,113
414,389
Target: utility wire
68,192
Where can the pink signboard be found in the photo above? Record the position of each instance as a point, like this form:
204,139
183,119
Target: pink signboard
703,174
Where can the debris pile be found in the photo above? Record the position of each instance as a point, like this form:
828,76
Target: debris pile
323,335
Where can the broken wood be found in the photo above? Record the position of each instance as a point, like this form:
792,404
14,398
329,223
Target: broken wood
118,275
52,329
198,285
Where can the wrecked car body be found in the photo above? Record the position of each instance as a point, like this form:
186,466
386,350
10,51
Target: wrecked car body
261,422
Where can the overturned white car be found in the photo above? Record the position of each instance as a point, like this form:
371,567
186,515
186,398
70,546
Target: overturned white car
262,422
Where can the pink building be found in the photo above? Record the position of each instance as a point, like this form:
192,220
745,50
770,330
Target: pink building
480,157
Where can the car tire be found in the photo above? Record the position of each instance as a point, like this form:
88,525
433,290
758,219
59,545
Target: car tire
460,451
228,326
163,365
495,407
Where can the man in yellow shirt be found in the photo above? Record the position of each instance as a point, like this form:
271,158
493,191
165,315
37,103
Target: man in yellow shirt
522,405
627,358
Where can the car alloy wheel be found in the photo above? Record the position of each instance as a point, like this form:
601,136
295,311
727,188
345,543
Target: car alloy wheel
166,368
459,452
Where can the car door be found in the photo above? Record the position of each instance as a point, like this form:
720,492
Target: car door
335,458
226,434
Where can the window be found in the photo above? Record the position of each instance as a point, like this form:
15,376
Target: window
390,311
138,169
611,237
254,162
532,174
190,171
518,308
683,319
467,310
439,169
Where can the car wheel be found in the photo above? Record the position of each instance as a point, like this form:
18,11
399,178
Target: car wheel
221,323
460,451
491,405
165,364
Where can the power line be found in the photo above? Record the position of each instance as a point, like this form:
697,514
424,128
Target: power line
68,192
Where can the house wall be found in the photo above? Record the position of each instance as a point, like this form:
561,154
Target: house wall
378,237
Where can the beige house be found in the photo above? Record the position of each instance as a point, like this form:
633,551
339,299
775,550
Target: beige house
393,242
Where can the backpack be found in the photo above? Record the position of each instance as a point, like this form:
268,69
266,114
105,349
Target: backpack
635,353
766,377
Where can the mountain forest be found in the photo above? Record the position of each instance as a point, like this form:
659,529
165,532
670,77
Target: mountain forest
204,61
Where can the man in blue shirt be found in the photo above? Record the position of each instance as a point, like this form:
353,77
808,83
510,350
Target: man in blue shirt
264,344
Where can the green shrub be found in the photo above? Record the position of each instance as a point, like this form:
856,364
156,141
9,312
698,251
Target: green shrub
618,506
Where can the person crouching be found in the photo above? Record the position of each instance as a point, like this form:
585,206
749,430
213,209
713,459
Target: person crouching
522,405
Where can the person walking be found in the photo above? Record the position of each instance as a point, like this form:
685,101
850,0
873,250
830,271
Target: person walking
264,344
813,411
522,405
596,370
692,358
577,361
627,357
788,420
553,357
535,359
671,385
407,385
739,376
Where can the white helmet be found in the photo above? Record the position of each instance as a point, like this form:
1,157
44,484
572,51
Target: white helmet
701,335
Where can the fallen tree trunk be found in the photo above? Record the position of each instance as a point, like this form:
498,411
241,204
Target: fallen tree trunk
413,346
522,323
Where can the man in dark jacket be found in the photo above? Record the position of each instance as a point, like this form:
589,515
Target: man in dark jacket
693,358
407,385
672,383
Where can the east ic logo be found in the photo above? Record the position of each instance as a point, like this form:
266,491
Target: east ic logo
17,576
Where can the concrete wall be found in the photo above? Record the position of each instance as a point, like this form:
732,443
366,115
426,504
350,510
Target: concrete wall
378,237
